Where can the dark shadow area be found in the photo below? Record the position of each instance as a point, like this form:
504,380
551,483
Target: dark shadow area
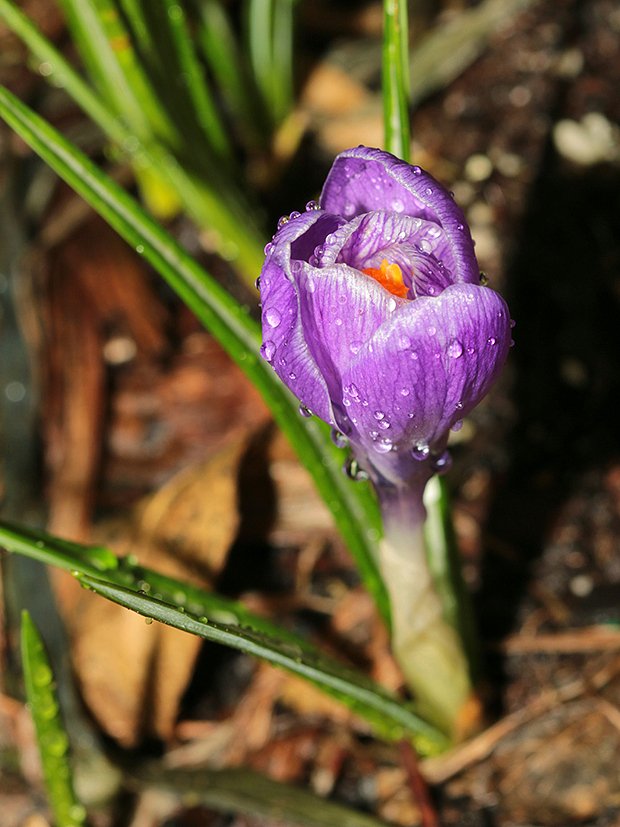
564,293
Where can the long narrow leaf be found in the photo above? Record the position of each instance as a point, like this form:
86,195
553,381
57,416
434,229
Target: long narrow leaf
207,205
396,78
389,717
192,76
228,322
52,739
223,621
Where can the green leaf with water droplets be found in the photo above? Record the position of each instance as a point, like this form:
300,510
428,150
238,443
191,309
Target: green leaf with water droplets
388,716
51,736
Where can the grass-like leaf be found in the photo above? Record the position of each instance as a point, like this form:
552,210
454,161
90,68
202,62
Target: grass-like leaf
244,791
389,717
396,78
270,39
223,621
52,739
353,508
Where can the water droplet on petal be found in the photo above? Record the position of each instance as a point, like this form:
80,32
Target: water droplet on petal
404,342
455,349
429,190
414,355
460,226
305,412
338,438
282,221
491,340
432,330
397,205
426,246
384,424
484,279
354,347
292,376
416,170
346,402
312,205
268,247
338,322
257,283
352,469
273,317
457,425
348,209
294,214
267,350
391,304
383,446
421,451
459,405
379,415
442,463
512,323
404,391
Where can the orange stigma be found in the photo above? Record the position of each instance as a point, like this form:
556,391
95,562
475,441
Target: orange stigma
389,276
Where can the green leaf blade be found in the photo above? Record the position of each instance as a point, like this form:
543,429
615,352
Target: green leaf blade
52,739
396,78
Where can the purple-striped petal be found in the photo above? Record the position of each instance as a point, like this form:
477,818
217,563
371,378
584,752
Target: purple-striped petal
363,180
427,367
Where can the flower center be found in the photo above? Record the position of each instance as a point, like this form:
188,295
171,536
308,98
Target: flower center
389,276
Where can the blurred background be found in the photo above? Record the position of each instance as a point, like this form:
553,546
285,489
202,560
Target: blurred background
123,423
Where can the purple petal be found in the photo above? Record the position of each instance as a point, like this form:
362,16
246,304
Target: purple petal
416,245
340,311
427,367
364,180
284,344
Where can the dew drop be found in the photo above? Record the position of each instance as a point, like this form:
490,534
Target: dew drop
432,330
404,391
338,438
338,322
293,215
414,355
353,470
273,317
349,209
312,205
459,405
426,246
442,463
354,347
257,283
292,375
421,451
383,446
455,349
379,415
267,350
346,402
416,170
384,424
397,205
268,248
305,412
140,249
511,343
460,226
282,221
512,323
491,340
404,342
429,190
484,279
391,304
457,425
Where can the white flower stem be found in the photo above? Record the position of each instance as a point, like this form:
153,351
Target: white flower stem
426,646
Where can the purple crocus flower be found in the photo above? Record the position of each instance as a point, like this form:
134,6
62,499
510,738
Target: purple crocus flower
374,316
373,312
